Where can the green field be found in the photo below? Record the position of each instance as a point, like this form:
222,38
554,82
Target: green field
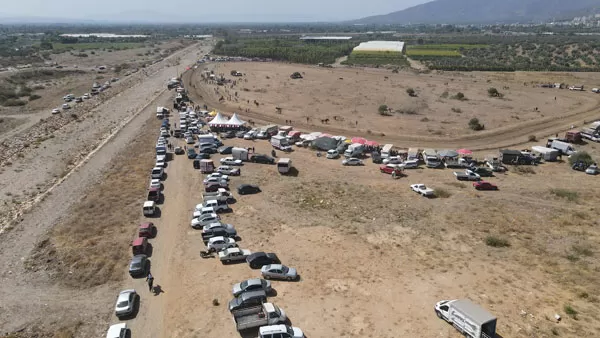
57,46
447,46
433,52
376,58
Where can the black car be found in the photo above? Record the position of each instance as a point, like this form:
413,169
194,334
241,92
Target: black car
245,189
139,266
225,150
218,231
258,259
209,150
202,156
191,153
240,134
248,299
262,159
229,134
483,172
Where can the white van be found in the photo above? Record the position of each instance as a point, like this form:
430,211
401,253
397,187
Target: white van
284,165
149,208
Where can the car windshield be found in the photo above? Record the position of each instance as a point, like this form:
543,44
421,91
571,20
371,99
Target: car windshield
244,285
136,265
285,269
122,303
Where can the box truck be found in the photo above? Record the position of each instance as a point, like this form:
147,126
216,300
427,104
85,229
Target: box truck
564,147
281,143
354,150
468,318
239,154
386,151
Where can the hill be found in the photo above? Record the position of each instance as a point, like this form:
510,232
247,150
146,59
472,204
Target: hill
481,12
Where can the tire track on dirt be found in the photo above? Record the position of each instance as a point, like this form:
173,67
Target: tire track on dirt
503,137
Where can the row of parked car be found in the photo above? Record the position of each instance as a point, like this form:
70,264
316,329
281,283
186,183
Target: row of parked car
249,306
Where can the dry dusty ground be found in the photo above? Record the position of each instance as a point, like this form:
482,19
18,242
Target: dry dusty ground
350,97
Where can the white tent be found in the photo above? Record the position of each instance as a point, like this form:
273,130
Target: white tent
235,121
218,120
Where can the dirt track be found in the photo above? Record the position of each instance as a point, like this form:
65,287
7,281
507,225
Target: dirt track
505,136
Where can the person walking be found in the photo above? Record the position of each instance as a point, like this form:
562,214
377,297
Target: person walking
150,280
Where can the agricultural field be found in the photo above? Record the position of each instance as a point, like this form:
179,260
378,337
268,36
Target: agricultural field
61,47
373,58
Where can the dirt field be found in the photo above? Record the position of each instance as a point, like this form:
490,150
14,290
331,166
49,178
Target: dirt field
350,97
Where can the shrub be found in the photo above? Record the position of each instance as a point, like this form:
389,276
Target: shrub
456,110
520,169
532,138
34,97
411,92
74,116
383,109
496,242
14,103
460,96
581,156
441,193
564,193
407,111
493,92
569,310
39,87
474,124
444,95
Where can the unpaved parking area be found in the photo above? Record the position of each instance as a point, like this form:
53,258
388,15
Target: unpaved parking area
374,257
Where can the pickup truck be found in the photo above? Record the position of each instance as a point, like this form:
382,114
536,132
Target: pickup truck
217,206
234,255
467,176
257,316
422,189
481,171
219,195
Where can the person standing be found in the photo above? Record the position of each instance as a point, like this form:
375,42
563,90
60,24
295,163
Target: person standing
150,280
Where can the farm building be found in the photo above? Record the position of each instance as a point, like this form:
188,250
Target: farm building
380,46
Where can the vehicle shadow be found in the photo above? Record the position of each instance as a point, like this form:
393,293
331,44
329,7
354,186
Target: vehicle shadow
164,177
234,262
157,290
294,172
157,213
149,250
272,293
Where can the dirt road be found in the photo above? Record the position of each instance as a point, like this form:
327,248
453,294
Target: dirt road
509,135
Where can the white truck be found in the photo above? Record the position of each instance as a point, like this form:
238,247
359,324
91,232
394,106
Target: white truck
219,195
431,158
217,206
422,190
456,162
354,150
386,151
467,176
564,147
257,316
240,154
284,165
280,142
468,318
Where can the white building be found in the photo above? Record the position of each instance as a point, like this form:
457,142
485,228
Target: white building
380,46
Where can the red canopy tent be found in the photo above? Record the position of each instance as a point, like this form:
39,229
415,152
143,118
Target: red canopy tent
464,152
371,144
360,140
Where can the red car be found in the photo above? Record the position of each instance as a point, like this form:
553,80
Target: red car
389,169
483,185
147,230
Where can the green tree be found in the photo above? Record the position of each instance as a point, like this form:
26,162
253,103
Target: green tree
383,109
581,156
474,124
46,45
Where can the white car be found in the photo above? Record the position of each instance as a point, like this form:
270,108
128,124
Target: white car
189,140
392,160
202,210
352,161
160,164
592,170
219,175
155,183
233,255
227,170
161,158
117,331
204,220
55,111
332,154
86,96
422,189
280,330
66,106
219,243
230,161
214,181
410,164
126,303
218,225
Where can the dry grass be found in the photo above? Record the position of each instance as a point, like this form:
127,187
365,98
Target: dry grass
65,331
89,245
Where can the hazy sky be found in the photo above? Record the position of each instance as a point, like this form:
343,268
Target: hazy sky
213,11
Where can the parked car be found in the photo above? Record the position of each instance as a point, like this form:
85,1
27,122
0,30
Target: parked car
230,161
149,208
280,331
392,160
467,176
352,161
218,225
228,134
218,175
264,159
139,266
252,284
220,243
215,180
118,331
245,189
179,151
225,150
484,185
390,168
147,230
410,164
248,299
481,171
203,220
332,154
191,153
55,111
202,156
126,302
189,140
218,232
78,99
240,134
592,170
66,106
157,172
422,190
227,170
278,271
260,259
233,255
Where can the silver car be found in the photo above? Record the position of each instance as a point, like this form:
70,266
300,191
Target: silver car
251,285
278,271
126,303
352,161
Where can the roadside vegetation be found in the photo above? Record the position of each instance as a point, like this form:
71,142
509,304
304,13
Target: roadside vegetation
376,59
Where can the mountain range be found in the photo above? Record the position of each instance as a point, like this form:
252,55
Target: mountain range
486,12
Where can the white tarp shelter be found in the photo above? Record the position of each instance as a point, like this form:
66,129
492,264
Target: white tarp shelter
235,121
218,120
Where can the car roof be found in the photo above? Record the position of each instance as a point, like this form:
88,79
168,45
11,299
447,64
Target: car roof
272,329
253,294
275,266
149,204
138,241
138,258
218,238
254,281
146,225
